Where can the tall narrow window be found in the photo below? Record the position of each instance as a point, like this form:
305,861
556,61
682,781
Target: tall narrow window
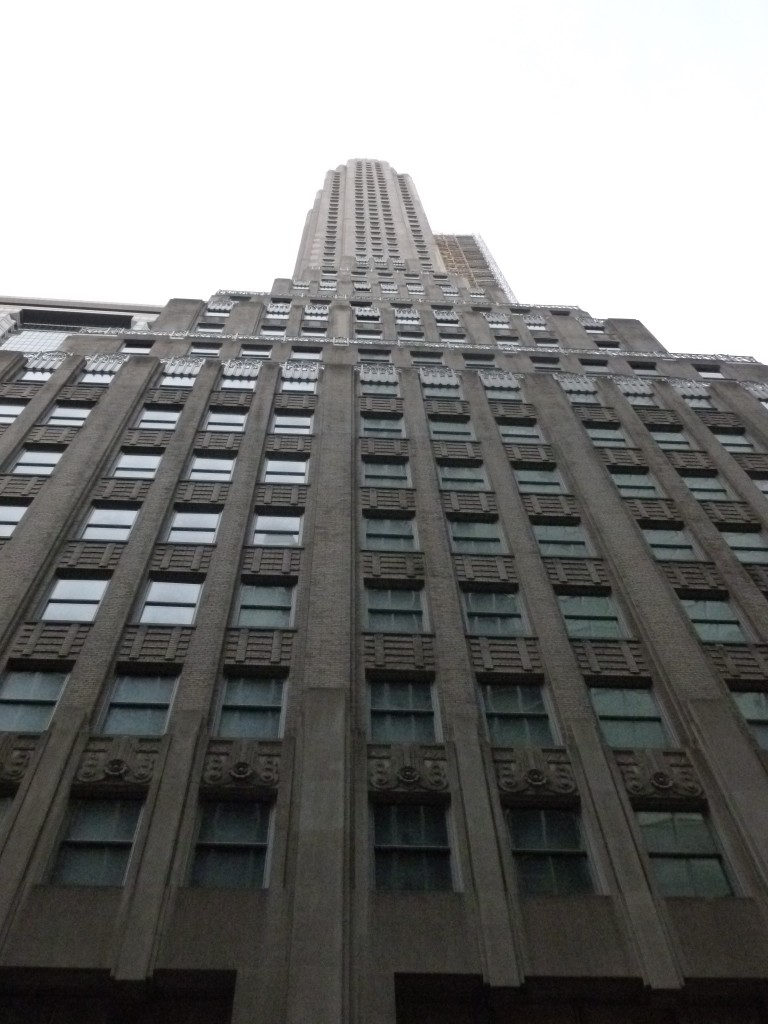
411,849
137,465
278,530
629,717
265,607
671,545
402,712
36,462
707,488
591,617
109,523
285,471
139,705
170,604
539,481
516,716
97,844
68,415
607,437
251,707
491,613
561,541
462,478
218,468
753,705
395,611
231,849
28,699
475,537
548,851
225,421
683,854
451,430
750,547
715,621
636,485
10,517
193,527
385,474
74,600
388,534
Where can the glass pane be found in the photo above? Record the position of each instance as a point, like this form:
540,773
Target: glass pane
261,724
402,728
144,689
708,877
401,696
571,875
172,592
167,614
752,704
70,611
235,822
91,865
25,717
44,686
104,820
135,721
84,590
228,868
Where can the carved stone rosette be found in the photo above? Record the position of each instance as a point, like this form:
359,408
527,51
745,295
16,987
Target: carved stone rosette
658,774
119,760
15,756
241,764
534,772
407,768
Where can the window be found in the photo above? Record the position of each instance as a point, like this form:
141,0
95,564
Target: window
607,437
10,516
276,530
402,712
238,383
462,478
388,534
139,706
223,421
435,390
750,547
671,545
109,523
68,415
670,440
202,349
308,387
427,358
521,433
629,717
707,488
264,607
561,541
583,397
97,844
636,485
251,707
735,442
10,410
256,351
715,621
285,471
385,474
646,400
493,614
451,430
155,417
137,465
231,849
595,365
137,348
74,600
548,851
698,401
292,423
382,426
539,481
193,527
216,467
27,699
753,705
383,388
478,361
177,380
504,394
684,858
36,462
591,617
516,716
170,604
395,611
645,369
475,537
761,485
315,354
410,845
93,377
710,370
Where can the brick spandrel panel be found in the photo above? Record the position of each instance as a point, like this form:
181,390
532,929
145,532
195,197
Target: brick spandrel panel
207,492
753,462
168,396
496,571
591,415
299,401
384,447
730,512
146,438
387,499
578,573
690,460
286,495
10,389
530,454
293,443
181,557
653,510
398,652
659,418
759,574
272,562
232,399
155,643
21,486
457,450
715,419
90,393
51,435
88,554
446,407
506,657
698,576
739,663
110,489
622,457
469,503
392,566
611,659
49,641
510,412
551,506
265,648
381,406
206,440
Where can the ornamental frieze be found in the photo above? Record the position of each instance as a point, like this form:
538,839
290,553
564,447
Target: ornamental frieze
16,753
661,774
241,764
119,760
407,767
534,772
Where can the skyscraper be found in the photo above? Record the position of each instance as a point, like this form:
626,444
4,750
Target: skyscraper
379,649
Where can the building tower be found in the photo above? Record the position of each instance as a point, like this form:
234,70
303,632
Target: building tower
377,649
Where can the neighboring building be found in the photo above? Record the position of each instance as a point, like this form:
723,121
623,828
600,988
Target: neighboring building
379,650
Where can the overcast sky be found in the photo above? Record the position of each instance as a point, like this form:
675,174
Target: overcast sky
612,153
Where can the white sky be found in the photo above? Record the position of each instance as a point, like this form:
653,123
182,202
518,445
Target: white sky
612,153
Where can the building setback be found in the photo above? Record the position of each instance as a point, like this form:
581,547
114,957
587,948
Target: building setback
379,650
